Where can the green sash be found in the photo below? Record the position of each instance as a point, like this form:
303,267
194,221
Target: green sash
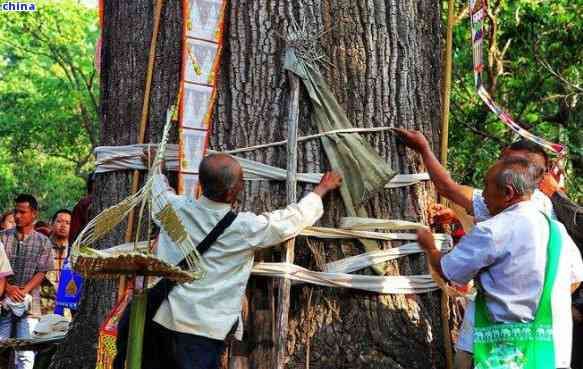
520,345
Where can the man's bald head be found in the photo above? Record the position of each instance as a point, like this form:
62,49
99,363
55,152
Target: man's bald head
221,178
508,181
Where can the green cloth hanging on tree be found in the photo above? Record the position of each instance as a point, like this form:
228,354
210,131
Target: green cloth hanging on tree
365,172
348,153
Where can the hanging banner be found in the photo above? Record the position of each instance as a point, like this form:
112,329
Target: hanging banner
478,11
69,289
202,44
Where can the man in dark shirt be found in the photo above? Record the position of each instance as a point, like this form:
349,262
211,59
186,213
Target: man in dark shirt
30,255
80,214
568,212
60,224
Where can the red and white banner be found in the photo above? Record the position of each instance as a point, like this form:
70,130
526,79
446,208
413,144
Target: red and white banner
202,44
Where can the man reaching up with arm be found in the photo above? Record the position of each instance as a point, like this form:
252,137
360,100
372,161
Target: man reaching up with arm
472,200
469,198
508,257
199,315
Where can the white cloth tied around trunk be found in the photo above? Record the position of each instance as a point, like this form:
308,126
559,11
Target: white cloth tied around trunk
356,223
364,260
112,158
378,284
335,273
129,157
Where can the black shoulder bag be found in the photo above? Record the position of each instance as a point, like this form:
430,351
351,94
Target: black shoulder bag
156,349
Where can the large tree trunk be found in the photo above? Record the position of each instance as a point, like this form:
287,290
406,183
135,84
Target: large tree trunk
386,68
126,40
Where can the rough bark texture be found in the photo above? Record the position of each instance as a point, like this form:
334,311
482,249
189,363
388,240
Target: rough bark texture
386,68
126,40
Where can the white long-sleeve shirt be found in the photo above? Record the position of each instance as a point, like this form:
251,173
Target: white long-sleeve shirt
5,268
211,306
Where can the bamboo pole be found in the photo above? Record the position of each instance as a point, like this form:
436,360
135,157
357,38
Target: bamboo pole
142,128
137,323
139,304
283,298
445,308
447,83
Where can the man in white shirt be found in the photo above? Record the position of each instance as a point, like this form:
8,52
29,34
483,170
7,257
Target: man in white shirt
472,201
200,314
507,255
5,269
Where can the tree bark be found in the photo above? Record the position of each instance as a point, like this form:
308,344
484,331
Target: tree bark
126,38
386,70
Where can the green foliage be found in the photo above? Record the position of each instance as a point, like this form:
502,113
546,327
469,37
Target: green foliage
537,78
50,179
49,94
48,102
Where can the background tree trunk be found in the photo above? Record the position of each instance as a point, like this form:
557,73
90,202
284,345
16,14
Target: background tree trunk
126,40
386,68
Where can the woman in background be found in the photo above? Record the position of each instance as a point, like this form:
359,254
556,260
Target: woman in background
7,221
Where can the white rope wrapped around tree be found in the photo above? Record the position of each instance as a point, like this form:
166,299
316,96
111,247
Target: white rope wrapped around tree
158,206
130,157
154,197
371,283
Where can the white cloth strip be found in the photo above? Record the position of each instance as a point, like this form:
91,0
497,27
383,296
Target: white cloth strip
112,158
404,180
360,224
310,137
367,259
334,233
254,170
378,284
129,157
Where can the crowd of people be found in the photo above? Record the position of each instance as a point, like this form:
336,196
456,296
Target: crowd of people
33,255
522,249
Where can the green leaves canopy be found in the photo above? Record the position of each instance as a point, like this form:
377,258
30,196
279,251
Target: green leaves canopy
534,62
48,102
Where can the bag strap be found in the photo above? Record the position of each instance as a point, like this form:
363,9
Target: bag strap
212,237
544,313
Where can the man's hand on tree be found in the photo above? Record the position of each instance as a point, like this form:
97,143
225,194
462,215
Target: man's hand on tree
330,181
425,239
549,185
439,215
15,293
413,139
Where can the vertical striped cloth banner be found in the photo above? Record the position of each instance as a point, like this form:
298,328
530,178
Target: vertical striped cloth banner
106,342
478,11
202,44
